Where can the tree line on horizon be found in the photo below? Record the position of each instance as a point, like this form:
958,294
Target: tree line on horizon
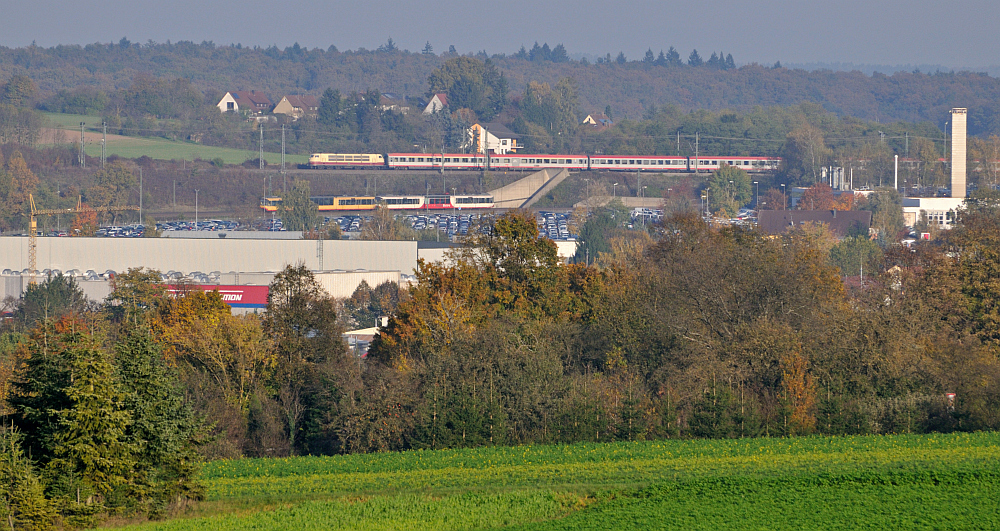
909,96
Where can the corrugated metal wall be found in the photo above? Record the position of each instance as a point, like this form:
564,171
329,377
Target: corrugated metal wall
224,255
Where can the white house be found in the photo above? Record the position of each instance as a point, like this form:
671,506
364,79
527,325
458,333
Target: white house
249,101
494,137
437,103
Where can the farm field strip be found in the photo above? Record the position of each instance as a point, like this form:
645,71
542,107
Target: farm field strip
929,481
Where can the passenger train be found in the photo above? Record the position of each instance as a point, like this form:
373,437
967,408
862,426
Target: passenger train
514,161
400,202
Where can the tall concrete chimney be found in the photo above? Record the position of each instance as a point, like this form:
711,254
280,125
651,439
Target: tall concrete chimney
958,119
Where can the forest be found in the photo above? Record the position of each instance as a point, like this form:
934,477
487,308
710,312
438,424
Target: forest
631,87
680,331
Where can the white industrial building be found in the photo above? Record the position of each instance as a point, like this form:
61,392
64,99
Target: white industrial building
941,211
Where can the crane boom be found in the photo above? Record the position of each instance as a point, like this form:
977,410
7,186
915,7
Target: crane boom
33,224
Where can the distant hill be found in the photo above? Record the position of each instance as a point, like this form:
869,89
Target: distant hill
631,88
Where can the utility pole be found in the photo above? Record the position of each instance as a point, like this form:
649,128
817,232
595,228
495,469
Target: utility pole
104,145
696,135
140,194
196,209
261,156
284,179
907,143
678,142
83,154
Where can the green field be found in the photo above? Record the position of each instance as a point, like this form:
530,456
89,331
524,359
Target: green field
158,148
933,481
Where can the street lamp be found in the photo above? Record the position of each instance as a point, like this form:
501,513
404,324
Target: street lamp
756,201
644,191
614,190
196,210
784,203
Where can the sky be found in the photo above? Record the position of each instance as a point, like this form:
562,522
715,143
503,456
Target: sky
955,33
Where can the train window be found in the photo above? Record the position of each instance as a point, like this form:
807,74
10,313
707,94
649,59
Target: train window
420,159
546,161
465,159
411,159
437,159
715,162
746,162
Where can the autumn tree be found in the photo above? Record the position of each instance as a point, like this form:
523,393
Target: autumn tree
313,371
17,183
729,189
113,187
385,226
472,84
804,154
298,212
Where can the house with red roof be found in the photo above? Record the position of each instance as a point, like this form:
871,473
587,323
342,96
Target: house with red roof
245,101
297,106
438,102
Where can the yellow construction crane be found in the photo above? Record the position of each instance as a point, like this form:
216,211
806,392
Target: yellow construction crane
33,223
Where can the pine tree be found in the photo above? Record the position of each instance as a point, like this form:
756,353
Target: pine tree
91,451
164,429
694,59
673,57
428,49
22,500
661,60
649,58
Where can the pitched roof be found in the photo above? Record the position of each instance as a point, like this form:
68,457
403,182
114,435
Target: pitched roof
303,101
839,221
252,98
499,130
443,98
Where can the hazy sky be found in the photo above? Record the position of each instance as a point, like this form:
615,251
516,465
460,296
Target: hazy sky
955,33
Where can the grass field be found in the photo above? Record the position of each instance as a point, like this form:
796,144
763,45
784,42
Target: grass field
155,148
934,481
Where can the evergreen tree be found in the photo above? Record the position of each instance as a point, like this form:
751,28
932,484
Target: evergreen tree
56,297
329,108
673,57
661,60
428,49
730,64
164,429
649,58
621,58
22,498
694,59
559,54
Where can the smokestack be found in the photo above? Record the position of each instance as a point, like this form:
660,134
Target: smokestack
958,119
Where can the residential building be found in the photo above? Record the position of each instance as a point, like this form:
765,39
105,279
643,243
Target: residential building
297,106
438,102
494,137
598,120
840,222
245,101
392,102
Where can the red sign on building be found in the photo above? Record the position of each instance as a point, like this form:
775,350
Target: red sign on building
234,296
